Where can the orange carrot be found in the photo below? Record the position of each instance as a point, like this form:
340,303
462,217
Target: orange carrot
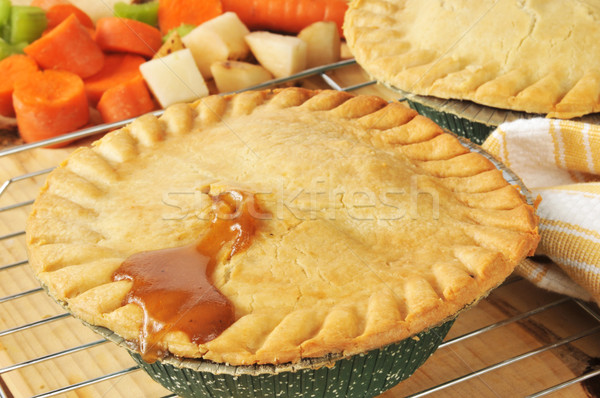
47,4
172,13
286,15
59,12
127,100
118,68
49,103
68,46
127,35
13,68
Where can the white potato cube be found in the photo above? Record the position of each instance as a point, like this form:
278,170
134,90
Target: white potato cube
174,78
218,39
236,75
323,43
280,54
345,52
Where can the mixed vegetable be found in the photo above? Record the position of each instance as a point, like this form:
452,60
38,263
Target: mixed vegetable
62,61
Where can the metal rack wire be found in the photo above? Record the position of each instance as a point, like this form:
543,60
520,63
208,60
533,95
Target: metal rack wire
438,388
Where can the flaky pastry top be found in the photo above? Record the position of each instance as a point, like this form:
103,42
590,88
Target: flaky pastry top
381,224
534,56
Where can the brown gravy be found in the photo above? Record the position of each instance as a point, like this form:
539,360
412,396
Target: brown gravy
173,287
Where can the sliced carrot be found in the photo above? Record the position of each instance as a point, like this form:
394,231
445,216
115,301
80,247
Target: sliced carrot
13,68
127,100
68,46
47,4
49,103
127,35
173,13
59,12
118,68
287,16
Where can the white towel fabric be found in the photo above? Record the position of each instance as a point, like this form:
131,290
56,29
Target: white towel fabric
559,161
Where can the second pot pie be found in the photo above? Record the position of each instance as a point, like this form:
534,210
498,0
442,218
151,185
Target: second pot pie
293,223
535,56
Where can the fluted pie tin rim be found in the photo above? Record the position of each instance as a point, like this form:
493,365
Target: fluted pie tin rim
360,375
469,119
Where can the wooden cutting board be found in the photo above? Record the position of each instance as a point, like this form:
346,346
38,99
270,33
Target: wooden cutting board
518,379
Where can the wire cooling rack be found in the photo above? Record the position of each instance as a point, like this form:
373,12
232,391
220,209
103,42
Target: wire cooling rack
519,341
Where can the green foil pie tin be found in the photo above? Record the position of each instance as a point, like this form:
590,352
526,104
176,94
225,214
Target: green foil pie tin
463,118
362,375
468,119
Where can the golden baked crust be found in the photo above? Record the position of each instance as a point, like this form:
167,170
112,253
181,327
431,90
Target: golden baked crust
382,224
533,55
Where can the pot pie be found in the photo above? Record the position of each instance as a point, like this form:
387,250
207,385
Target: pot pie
268,227
527,55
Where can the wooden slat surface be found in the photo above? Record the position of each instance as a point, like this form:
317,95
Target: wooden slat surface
448,363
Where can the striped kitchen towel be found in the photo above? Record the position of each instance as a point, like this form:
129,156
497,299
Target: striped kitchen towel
559,161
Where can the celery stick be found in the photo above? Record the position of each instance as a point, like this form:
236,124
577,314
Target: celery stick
7,49
144,12
18,48
5,6
5,32
26,24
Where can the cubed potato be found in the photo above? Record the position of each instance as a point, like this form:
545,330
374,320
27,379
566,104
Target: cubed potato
174,78
218,39
345,52
236,75
280,54
323,43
